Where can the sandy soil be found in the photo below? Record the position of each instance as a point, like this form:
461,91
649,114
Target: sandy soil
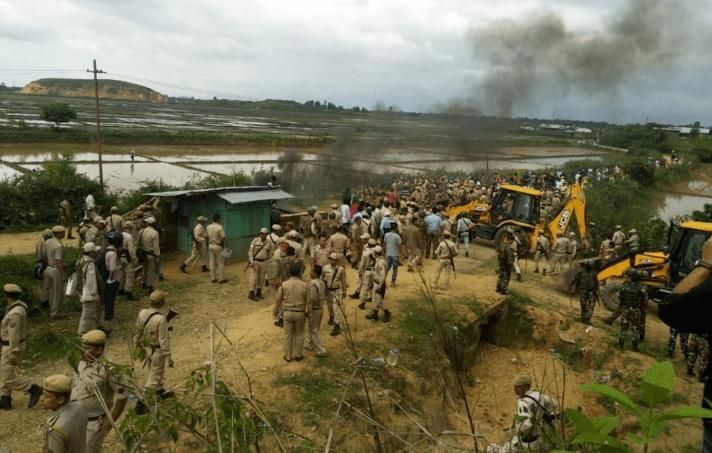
257,344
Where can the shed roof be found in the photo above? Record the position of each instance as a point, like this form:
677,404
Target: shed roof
233,195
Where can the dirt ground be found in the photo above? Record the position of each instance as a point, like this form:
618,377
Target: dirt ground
257,345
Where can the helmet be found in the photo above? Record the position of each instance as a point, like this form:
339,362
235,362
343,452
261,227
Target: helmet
115,238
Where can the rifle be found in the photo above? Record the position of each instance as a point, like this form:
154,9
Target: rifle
452,260
254,255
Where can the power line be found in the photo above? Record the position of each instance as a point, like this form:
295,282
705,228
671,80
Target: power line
186,88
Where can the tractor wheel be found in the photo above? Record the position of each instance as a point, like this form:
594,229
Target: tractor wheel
609,295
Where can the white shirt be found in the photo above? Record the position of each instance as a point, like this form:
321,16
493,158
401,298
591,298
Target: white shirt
89,202
345,213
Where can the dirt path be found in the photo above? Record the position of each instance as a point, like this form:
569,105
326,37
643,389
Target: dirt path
257,342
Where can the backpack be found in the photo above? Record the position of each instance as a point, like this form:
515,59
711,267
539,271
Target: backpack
102,272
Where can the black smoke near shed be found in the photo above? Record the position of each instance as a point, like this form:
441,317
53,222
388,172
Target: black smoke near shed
527,58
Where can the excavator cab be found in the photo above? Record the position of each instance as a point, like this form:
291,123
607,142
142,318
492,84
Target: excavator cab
685,243
512,203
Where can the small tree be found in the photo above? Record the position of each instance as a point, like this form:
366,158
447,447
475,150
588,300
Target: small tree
57,113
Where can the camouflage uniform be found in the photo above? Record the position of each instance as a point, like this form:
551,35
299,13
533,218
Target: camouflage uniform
589,290
698,354
632,296
672,340
505,258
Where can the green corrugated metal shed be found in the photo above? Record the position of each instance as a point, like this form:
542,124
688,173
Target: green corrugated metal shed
243,211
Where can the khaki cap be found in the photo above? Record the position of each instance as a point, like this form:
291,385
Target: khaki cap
522,379
57,383
128,224
277,227
633,231
202,218
334,206
94,338
378,249
58,229
293,234
365,236
151,220
47,233
372,242
89,247
446,234
157,297
100,220
12,288
114,209
264,231
618,227
334,256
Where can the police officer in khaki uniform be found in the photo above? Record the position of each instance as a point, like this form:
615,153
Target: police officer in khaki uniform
260,251
115,222
128,262
92,306
316,295
292,300
150,248
54,273
334,276
199,250
561,248
66,429
95,377
65,217
365,273
339,243
542,251
152,328
13,331
41,260
446,251
216,242
379,286
618,241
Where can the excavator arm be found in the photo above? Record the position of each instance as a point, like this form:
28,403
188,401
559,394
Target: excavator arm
573,207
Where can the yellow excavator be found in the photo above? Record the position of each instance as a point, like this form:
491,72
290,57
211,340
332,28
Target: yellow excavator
519,208
662,268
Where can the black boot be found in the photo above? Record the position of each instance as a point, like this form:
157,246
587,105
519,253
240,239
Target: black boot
373,316
279,322
386,315
355,295
205,268
467,254
331,321
258,293
335,331
35,392
252,297
183,269
621,344
690,372
519,277
141,408
362,305
5,403
544,273
670,354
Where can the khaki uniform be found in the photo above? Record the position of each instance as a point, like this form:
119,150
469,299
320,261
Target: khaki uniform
606,252
13,332
199,251
158,346
93,377
298,249
561,247
335,281
320,255
339,243
52,277
443,252
292,300
128,263
149,242
65,218
216,240
379,282
542,250
115,222
65,430
92,306
316,295
571,252
618,242
259,253
357,244
365,272
413,241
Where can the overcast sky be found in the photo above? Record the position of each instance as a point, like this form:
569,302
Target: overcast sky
415,54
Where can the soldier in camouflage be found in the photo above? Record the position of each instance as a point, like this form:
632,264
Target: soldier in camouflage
632,296
588,283
505,258
698,355
672,340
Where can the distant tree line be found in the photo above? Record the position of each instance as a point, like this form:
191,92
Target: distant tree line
326,105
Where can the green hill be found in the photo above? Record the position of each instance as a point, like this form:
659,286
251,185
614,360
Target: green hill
108,89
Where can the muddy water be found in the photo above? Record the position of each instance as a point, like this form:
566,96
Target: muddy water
681,205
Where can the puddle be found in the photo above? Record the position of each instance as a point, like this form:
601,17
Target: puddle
236,157
679,205
7,172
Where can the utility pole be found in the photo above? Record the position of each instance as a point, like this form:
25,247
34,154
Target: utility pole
98,124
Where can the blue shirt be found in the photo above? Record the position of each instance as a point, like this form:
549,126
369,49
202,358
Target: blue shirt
392,241
432,223
385,224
